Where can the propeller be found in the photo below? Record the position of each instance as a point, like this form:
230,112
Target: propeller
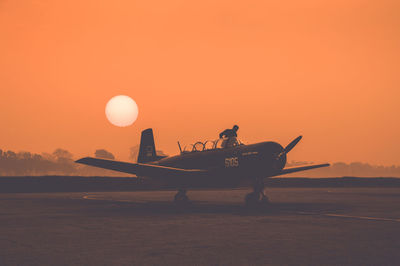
290,146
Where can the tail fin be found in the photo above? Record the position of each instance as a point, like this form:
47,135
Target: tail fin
147,150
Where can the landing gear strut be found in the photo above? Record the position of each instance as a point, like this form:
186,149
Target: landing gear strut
257,197
181,198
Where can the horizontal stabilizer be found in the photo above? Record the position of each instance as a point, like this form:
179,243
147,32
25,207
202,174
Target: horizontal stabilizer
298,169
139,169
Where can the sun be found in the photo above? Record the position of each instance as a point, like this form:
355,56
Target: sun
121,111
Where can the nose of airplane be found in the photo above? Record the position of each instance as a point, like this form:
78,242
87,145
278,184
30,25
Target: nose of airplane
279,160
273,155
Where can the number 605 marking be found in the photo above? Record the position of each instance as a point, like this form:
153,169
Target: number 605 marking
231,162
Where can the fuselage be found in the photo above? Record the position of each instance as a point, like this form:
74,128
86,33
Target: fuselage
234,164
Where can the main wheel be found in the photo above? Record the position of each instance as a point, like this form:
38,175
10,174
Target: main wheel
181,199
252,199
264,200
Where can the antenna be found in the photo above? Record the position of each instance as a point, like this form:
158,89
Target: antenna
179,145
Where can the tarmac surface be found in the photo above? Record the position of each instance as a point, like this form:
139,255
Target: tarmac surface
302,226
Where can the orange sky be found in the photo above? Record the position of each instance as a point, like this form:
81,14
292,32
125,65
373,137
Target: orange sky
328,70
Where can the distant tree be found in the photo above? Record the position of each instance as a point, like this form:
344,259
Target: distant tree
61,153
133,153
102,153
11,155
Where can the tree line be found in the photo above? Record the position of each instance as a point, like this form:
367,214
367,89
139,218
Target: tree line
61,162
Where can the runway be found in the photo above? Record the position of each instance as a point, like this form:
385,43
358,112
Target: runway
303,226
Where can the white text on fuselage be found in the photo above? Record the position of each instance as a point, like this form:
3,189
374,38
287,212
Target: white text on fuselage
231,162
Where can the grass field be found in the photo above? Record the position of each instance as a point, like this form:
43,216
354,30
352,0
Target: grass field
303,226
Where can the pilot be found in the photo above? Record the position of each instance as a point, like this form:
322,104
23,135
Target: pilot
229,136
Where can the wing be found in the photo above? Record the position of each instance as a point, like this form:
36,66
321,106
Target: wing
298,169
140,169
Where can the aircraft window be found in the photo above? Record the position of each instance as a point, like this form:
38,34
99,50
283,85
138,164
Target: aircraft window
188,148
210,145
198,146
218,144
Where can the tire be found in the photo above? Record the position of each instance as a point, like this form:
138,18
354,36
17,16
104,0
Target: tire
264,201
181,200
252,200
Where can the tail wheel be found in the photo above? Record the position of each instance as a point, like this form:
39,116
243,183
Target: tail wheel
181,198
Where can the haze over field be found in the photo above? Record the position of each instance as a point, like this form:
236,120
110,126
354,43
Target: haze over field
324,70
61,162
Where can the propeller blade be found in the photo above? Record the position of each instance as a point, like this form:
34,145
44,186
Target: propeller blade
292,144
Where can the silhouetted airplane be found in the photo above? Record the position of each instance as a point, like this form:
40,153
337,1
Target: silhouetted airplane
208,163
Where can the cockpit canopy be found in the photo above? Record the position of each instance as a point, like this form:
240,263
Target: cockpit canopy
212,145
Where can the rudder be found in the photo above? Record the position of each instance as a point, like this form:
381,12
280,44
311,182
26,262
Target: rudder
147,149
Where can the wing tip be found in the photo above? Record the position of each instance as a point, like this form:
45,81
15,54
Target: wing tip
83,160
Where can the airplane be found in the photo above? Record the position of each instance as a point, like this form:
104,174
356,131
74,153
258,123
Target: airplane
211,163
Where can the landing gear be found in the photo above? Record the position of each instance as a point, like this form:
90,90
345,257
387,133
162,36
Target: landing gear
181,198
257,197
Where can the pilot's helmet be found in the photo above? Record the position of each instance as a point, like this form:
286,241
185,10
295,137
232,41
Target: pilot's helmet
235,127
